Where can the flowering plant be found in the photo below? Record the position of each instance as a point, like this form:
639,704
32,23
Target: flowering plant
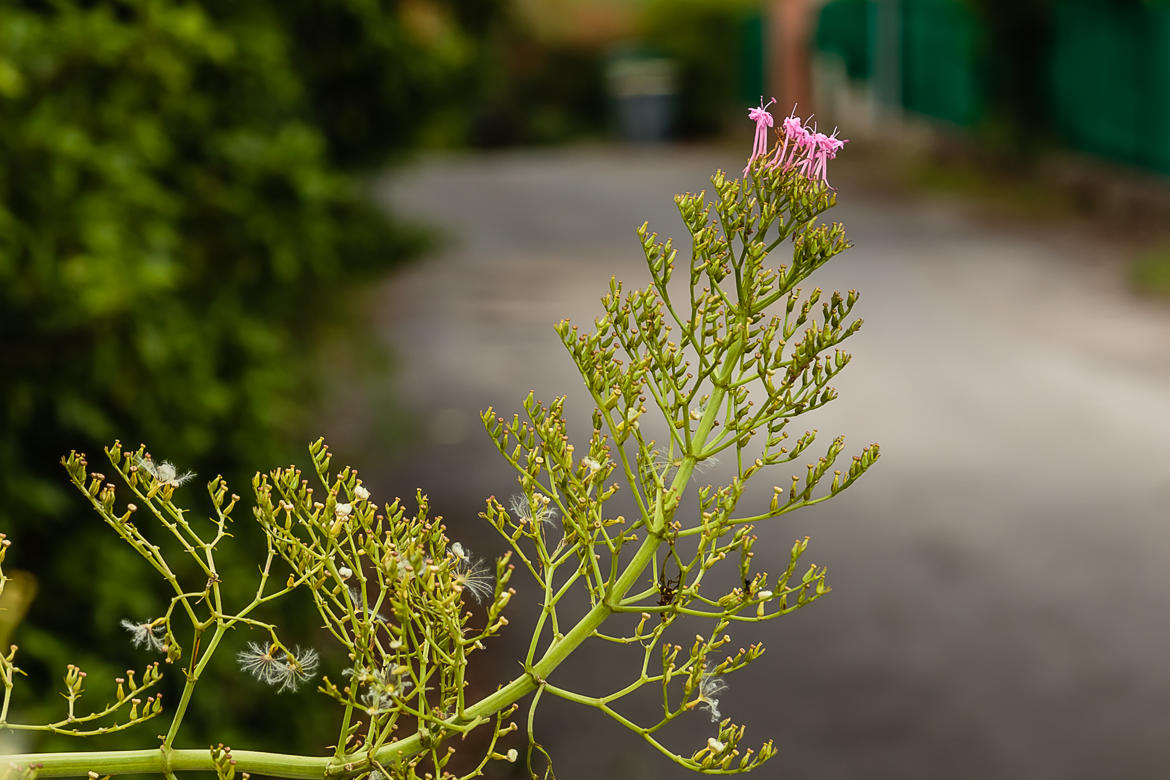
675,379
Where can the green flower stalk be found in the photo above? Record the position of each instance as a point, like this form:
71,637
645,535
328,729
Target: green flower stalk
714,362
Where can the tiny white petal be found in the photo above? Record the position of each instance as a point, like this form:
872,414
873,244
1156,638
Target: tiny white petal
360,493
345,572
715,745
343,510
764,594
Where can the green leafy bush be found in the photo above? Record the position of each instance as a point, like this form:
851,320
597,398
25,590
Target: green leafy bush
376,73
168,216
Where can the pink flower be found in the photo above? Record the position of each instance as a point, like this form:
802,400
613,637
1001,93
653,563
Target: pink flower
801,148
793,136
825,148
763,121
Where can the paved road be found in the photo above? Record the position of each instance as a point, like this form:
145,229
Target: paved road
1001,605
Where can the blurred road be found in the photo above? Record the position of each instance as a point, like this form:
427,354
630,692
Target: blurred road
1001,605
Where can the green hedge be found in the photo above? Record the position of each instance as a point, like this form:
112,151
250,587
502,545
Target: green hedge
172,235
376,72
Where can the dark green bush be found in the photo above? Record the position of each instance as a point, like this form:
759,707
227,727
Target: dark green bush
376,72
172,236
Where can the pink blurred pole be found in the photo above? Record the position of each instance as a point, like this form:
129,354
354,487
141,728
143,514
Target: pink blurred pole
789,28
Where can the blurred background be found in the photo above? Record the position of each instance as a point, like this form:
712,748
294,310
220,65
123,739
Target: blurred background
228,228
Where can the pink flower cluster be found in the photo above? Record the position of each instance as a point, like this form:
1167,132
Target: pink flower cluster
800,147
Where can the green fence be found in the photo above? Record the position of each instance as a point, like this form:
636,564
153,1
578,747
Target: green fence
939,55
845,29
941,42
752,58
1110,79
1105,82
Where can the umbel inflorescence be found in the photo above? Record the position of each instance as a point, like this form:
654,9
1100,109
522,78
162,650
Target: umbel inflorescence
711,359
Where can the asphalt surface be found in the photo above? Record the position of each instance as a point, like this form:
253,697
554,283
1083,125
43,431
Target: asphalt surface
1000,603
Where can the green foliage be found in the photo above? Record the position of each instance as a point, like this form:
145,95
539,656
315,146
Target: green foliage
380,70
717,361
168,219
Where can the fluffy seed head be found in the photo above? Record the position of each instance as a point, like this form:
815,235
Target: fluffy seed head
165,473
144,635
277,667
709,689
525,513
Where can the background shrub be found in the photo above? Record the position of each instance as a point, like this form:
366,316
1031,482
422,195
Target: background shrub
174,232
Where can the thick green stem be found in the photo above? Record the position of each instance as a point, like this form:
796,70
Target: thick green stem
156,761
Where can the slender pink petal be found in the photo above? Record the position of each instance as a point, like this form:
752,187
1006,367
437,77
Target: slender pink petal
763,121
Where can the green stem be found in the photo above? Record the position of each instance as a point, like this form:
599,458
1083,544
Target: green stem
339,750
156,761
169,760
189,688
560,650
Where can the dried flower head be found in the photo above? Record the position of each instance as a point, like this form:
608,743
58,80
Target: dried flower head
259,660
277,667
525,512
474,576
165,473
145,635
383,689
299,668
709,688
